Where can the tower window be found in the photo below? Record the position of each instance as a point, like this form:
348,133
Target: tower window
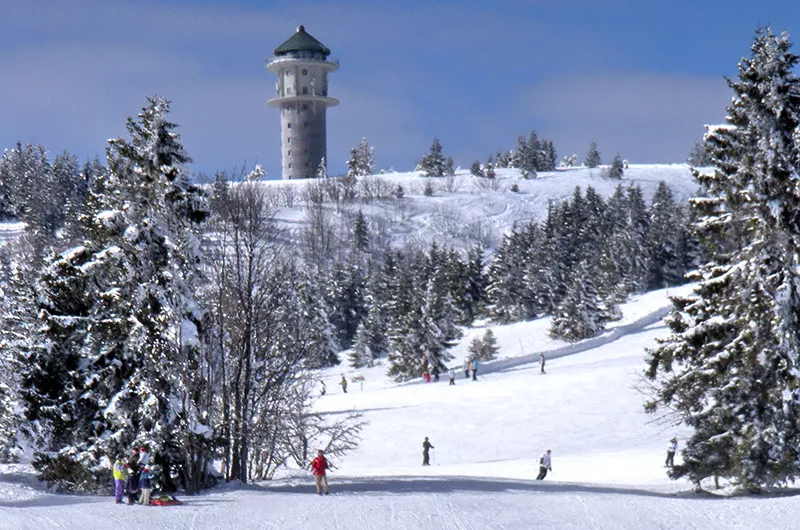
289,125
288,72
290,152
305,72
305,90
290,165
289,140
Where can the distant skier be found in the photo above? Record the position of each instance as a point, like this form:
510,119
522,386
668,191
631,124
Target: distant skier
343,382
452,375
466,369
541,362
435,373
318,467
544,465
323,390
426,376
671,448
474,369
426,447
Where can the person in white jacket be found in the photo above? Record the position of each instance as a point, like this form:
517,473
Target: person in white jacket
144,456
671,449
544,465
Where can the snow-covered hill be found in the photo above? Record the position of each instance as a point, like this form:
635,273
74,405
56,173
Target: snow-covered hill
465,210
607,454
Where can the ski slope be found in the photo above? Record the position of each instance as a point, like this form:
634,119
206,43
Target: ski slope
607,454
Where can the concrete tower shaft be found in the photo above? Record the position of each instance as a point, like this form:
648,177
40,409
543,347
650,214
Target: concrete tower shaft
302,64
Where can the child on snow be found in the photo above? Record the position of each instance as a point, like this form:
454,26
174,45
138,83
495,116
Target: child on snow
452,375
146,485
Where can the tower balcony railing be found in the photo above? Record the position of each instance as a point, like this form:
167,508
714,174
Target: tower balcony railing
303,56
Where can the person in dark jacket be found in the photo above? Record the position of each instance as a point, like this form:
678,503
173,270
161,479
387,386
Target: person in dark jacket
435,374
426,447
132,484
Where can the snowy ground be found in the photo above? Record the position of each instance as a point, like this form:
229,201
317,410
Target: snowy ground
465,210
488,435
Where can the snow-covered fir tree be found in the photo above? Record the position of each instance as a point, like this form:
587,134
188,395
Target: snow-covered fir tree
581,314
362,160
483,348
729,370
593,156
434,163
119,354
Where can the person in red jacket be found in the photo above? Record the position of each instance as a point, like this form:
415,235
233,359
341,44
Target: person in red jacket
318,467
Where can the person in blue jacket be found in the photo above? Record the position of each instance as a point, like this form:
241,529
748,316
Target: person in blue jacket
146,485
474,369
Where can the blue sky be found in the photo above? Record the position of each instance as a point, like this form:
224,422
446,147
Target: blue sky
640,77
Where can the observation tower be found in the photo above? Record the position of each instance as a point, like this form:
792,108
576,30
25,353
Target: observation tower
302,64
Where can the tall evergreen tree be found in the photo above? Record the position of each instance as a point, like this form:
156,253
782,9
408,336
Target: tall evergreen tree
121,332
730,368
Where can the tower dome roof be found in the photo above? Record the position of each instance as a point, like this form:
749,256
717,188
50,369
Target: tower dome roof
301,42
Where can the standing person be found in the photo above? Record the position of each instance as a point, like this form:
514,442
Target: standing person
318,467
474,369
426,447
541,362
120,475
466,369
343,382
323,390
426,376
452,375
544,465
146,485
435,374
144,456
671,448
132,482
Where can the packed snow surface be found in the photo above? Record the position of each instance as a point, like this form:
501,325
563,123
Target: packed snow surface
488,435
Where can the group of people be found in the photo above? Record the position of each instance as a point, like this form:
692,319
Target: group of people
133,477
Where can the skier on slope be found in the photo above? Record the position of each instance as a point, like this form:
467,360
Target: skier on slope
466,369
544,465
671,448
426,447
318,467
541,362
452,375
343,382
474,369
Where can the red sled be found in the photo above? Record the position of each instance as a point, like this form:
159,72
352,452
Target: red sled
165,500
